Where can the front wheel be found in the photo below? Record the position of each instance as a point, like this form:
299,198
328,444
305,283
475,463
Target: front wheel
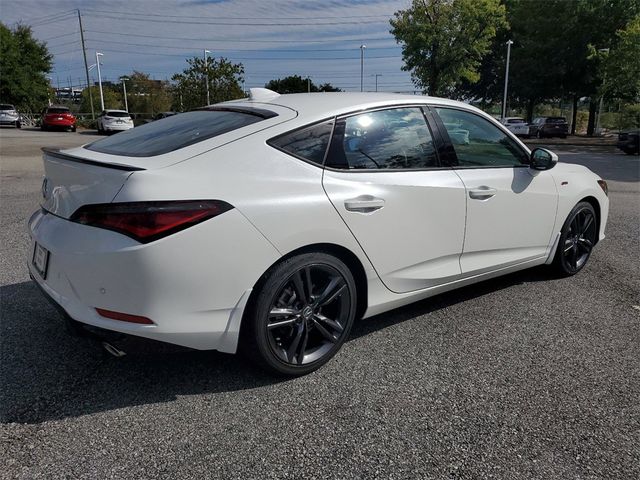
577,238
302,314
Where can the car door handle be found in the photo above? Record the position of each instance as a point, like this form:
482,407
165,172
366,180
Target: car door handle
482,193
364,204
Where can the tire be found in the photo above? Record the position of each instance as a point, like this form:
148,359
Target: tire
73,129
539,134
18,125
577,239
563,136
313,323
43,127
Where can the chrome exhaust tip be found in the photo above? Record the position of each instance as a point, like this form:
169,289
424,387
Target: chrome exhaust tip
113,350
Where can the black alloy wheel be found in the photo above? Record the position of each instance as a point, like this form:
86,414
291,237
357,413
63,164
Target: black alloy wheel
577,239
302,315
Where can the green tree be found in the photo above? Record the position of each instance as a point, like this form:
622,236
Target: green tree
224,77
146,95
298,84
444,41
112,99
621,67
24,65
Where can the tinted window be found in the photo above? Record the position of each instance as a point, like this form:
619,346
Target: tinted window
479,143
516,120
116,114
385,139
57,110
4,106
174,132
308,143
556,120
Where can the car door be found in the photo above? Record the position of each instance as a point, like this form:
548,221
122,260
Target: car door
511,208
383,176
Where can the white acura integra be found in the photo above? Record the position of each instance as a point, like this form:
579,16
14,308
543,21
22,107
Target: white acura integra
271,223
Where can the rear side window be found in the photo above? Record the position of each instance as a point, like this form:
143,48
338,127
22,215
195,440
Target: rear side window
116,114
177,132
394,139
308,143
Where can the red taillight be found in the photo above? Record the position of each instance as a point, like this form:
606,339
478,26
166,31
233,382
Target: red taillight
124,317
149,221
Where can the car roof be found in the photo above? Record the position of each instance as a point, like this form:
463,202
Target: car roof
114,110
326,104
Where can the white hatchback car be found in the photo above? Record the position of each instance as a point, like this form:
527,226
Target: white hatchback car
274,222
114,121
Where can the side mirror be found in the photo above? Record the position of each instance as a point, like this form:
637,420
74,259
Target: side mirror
542,159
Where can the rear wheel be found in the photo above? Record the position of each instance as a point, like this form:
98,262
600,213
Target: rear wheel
302,314
577,238
540,134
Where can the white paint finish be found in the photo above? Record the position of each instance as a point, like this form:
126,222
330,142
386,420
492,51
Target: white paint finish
195,284
512,225
182,282
70,185
414,241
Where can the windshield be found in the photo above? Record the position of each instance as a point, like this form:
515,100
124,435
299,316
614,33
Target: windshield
177,131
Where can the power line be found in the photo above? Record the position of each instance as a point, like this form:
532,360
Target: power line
250,58
231,40
233,18
240,24
242,49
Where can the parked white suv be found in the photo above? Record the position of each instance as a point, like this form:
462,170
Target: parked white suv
516,125
114,121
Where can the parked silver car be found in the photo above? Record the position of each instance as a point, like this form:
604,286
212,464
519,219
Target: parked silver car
9,115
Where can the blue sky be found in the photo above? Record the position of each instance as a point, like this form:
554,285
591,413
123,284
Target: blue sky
272,38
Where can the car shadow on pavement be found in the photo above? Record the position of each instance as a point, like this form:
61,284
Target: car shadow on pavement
48,375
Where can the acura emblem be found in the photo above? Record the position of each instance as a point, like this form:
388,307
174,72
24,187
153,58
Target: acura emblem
45,183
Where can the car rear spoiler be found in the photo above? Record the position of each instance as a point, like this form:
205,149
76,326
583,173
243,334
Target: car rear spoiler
56,153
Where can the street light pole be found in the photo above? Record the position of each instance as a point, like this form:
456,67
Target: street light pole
124,89
206,72
506,80
98,55
362,47
377,75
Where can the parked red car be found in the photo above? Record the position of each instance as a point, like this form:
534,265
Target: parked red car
58,117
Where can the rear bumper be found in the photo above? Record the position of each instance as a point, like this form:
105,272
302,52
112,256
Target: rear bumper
59,123
193,292
117,128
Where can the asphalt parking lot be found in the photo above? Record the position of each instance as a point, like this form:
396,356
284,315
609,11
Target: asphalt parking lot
525,376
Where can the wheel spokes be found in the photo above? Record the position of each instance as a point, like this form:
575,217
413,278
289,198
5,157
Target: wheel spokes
299,286
331,292
318,317
586,223
293,348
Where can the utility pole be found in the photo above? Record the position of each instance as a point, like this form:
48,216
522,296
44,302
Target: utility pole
86,66
308,85
362,47
124,89
506,80
206,70
98,55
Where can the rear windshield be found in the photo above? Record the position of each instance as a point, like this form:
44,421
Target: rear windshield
117,114
178,131
57,110
516,120
4,106
556,120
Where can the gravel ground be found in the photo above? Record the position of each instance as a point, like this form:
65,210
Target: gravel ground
525,376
